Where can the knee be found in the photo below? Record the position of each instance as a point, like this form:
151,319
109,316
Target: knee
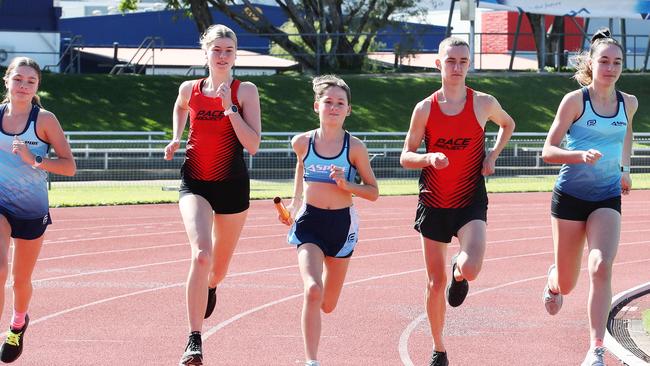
202,259
470,271
328,306
437,286
600,269
314,293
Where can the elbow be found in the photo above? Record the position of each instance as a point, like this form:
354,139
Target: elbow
72,170
374,196
403,161
547,156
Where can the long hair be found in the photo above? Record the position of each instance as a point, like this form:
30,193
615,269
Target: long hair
23,61
584,75
216,31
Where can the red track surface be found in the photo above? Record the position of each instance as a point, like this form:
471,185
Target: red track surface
109,290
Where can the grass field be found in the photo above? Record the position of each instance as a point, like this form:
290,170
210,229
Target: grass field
646,321
379,102
105,193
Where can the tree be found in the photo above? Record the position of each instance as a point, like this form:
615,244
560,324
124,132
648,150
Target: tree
334,34
554,39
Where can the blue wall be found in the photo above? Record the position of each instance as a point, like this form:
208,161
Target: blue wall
177,30
40,15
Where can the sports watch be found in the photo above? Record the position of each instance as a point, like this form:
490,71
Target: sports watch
232,110
625,168
38,160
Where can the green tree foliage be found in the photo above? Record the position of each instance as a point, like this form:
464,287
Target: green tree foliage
332,34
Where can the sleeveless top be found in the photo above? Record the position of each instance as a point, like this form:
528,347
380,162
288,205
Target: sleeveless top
606,134
23,189
462,139
317,167
213,151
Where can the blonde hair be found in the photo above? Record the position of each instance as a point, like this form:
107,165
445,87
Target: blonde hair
323,82
23,61
216,31
584,75
450,42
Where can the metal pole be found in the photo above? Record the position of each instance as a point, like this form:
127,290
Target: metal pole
623,41
451,13
472,46
514,42
647,53
542,44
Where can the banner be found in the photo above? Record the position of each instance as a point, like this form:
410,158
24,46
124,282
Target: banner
636,9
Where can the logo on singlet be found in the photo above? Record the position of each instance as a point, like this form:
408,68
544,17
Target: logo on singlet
591,122
453,144
618,123
31,142
209,115
320,168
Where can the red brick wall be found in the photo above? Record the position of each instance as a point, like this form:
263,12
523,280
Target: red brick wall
506,22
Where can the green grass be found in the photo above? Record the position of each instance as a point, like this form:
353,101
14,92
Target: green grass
379,103
95,194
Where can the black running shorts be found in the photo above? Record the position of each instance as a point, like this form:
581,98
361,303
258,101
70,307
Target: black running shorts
567,207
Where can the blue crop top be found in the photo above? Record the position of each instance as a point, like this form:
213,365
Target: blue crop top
317,168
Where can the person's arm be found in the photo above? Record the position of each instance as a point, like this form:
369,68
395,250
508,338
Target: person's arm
248,124
179,118
410,158
569,110
506,125
359,158
50,130
631,105
299,143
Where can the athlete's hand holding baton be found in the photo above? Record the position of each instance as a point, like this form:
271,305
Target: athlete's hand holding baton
283,214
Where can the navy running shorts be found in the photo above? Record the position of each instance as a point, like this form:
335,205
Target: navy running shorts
567,207
225,197
441,224
335,232
27,229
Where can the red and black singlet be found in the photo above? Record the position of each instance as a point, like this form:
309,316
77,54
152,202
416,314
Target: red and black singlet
462,139
213,151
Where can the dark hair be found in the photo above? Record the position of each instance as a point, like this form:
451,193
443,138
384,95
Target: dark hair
322,83
23,61
583,74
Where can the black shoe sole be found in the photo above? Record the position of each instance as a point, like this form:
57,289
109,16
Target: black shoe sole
212,302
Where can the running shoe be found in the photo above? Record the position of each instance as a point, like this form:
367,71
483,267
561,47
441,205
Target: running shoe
13,346
439,359
212,301
552,301
312,363
193,354
594,357
456,290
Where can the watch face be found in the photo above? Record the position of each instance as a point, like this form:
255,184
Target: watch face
38,159
234,108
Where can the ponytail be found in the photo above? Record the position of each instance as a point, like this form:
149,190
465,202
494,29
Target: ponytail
584,75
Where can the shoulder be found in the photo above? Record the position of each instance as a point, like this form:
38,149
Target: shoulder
301,139
574,97
356,145
485,100
185,89
423,107
631,103
47,118
247,88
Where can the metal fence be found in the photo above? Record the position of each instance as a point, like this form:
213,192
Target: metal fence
137,157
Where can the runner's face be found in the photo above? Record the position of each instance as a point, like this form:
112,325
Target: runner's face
454,63
22,83
332,106
221,54
607,64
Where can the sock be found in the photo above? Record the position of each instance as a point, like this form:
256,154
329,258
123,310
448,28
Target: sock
597,343
18,320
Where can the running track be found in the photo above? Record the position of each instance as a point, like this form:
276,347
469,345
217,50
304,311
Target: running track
109,290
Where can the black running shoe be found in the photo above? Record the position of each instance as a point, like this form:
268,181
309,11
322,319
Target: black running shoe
439,359
193,354
456,290
212,301
13,346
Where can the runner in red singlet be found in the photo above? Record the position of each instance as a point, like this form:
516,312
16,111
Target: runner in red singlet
214,195
453,200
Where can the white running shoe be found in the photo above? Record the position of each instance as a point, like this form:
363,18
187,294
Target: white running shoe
552,302
312,363
594,357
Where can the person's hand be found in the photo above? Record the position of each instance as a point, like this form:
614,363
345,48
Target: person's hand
591,156
288,221
223,92
337,174
19,148
489,164
438,160
171,148
626,183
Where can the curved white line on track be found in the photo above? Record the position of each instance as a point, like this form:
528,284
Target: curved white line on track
406,333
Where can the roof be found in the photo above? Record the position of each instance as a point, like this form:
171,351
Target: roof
186,57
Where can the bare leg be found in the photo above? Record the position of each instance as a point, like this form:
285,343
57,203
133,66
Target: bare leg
569,240
225,235
333,278
434,259
472,238
310,262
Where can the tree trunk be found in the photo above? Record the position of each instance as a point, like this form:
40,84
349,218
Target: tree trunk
201,13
